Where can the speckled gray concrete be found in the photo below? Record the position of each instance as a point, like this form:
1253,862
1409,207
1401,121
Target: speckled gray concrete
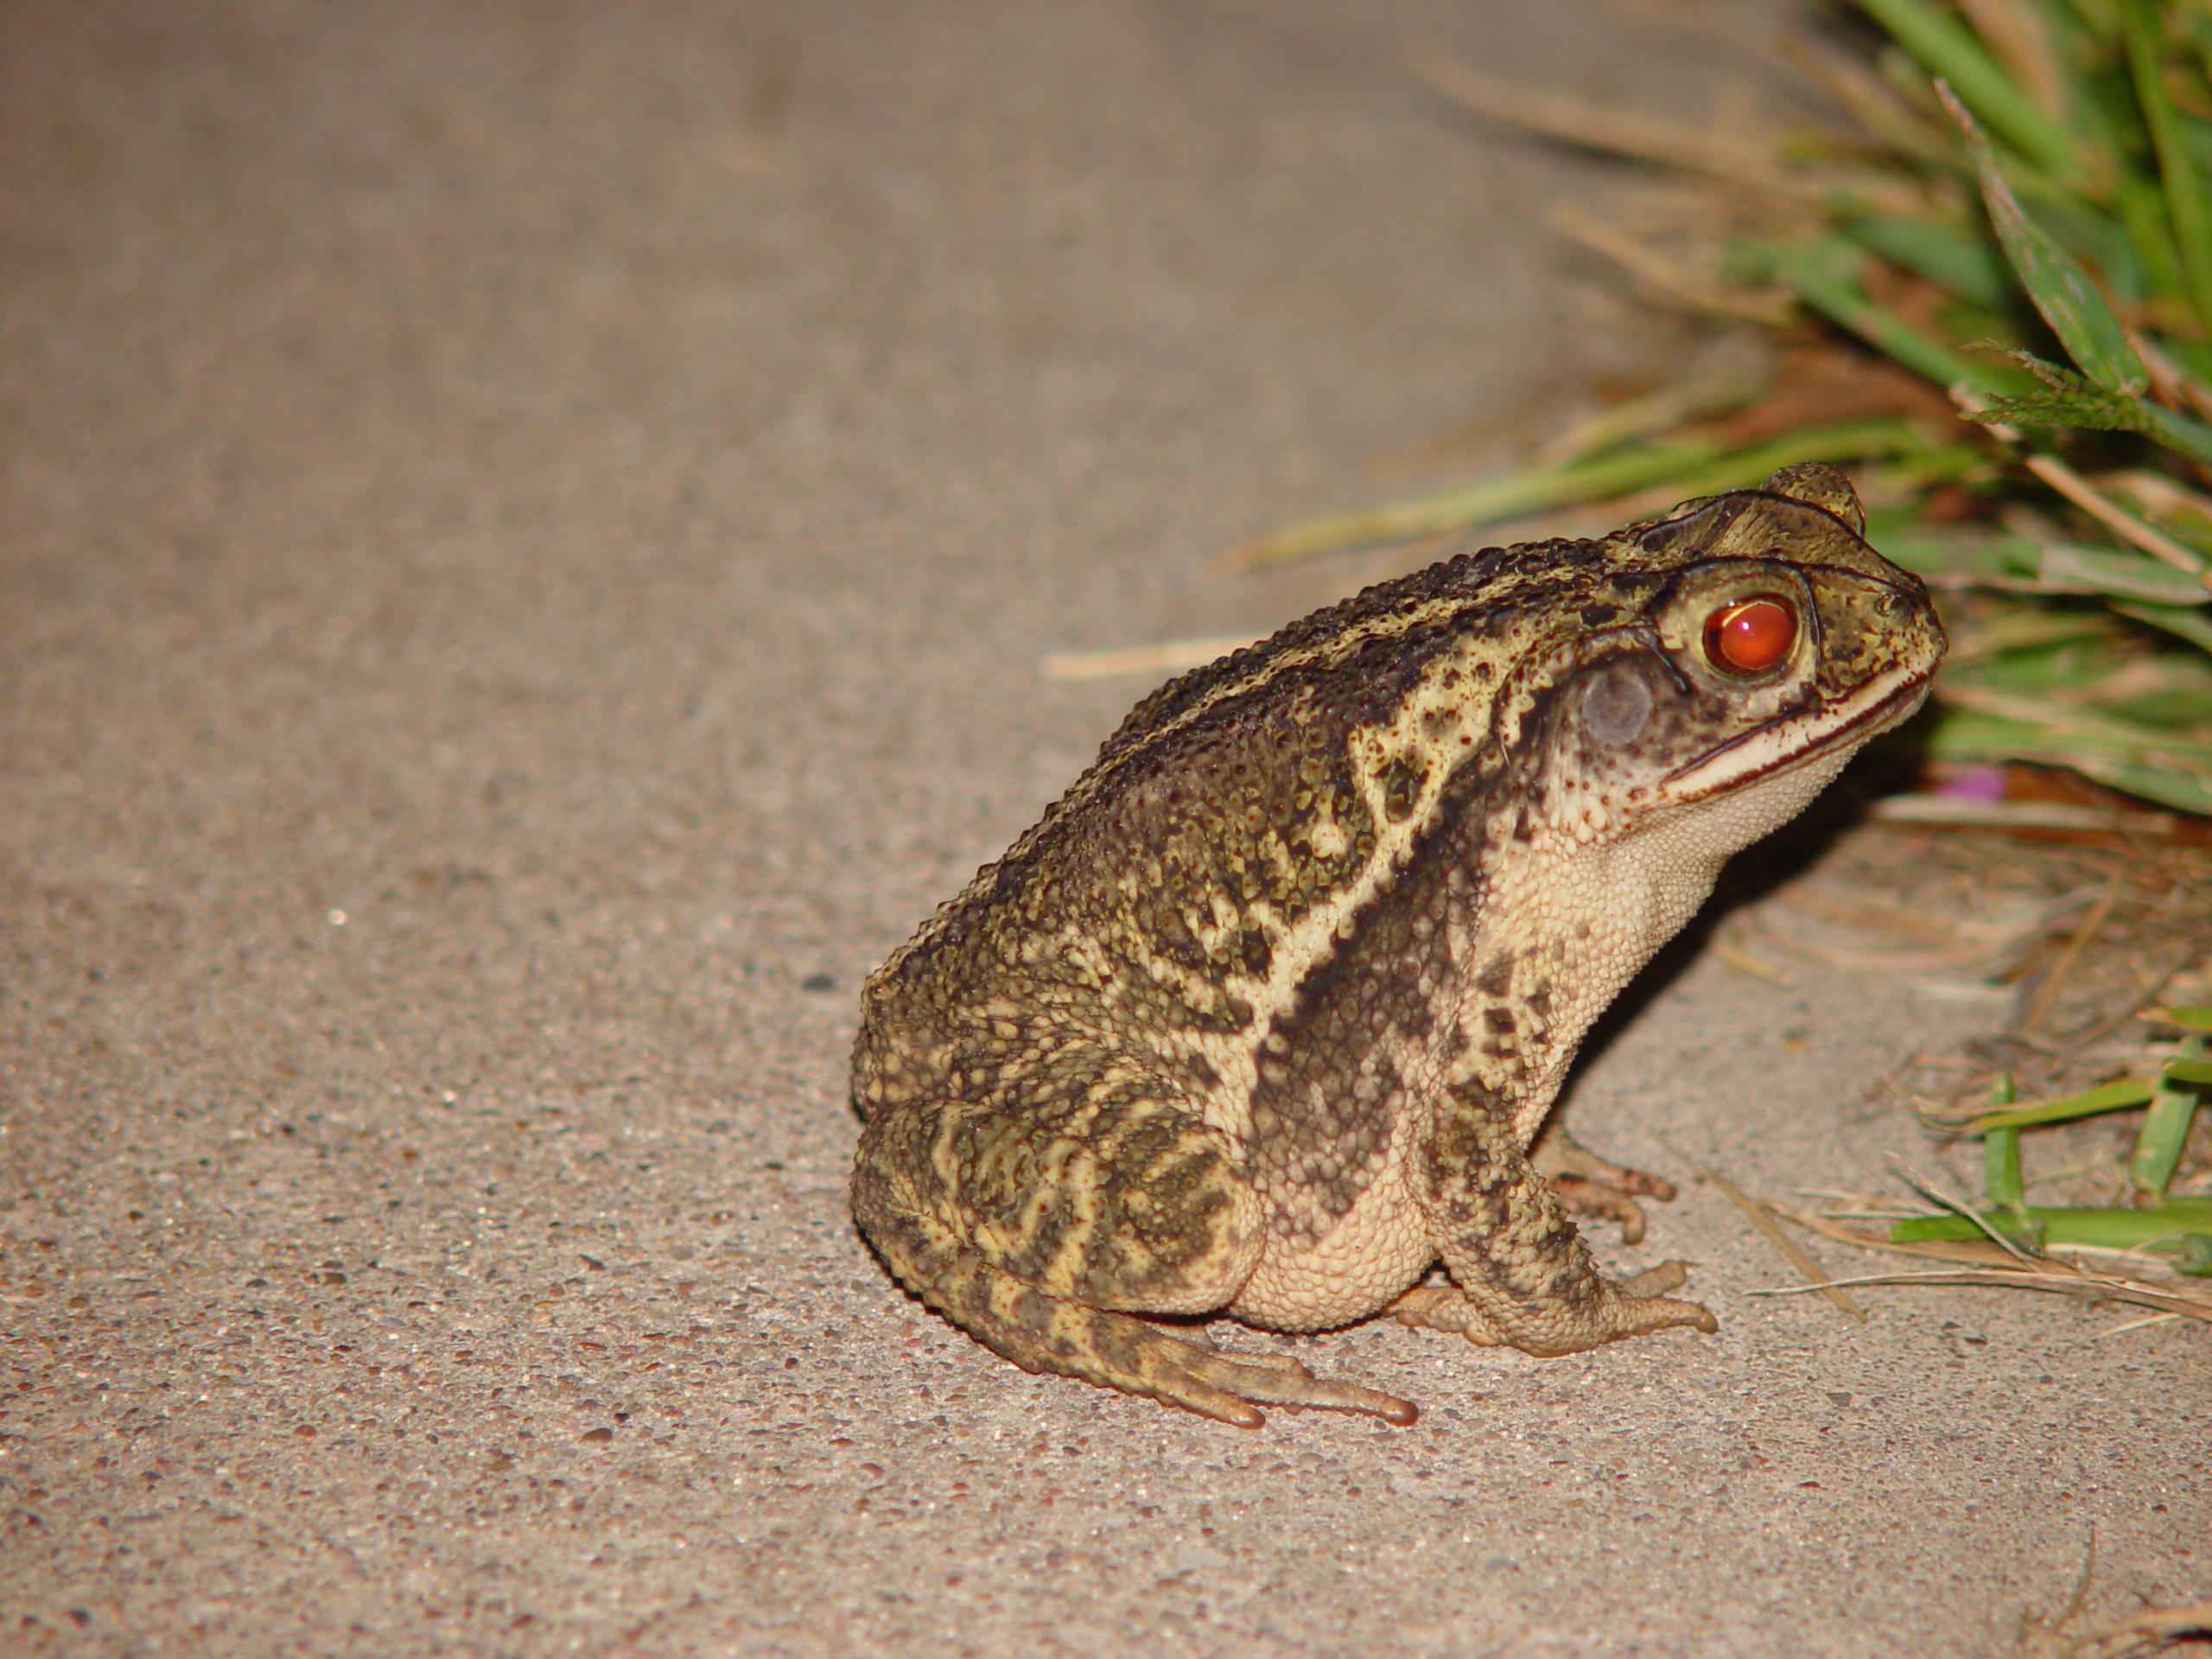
522,575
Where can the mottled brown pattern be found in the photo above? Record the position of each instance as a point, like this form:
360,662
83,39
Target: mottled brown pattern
1263,1016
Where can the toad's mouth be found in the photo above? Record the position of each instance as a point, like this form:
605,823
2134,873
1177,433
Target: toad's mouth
1768,750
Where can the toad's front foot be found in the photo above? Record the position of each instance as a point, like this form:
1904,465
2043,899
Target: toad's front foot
1587,1185
1633,1307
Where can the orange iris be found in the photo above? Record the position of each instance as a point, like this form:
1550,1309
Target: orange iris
1750,636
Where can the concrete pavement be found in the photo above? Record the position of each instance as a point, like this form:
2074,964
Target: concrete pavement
526,536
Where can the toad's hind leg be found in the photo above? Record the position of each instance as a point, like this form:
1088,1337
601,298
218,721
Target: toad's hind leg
1040,1331
1042,1245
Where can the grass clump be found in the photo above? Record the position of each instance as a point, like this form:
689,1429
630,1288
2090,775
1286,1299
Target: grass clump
2002,279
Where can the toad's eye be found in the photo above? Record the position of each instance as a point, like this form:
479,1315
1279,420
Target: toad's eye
1750,636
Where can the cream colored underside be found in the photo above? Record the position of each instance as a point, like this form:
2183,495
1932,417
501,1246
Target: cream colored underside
1582,916
1381,1247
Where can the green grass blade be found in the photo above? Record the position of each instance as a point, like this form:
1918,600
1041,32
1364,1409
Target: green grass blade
2001,1151
2122,576
2184,188
2166,1125
1937,1230
1825,275
1950,53
2192,438
2061,291
2168,785
2193,1252
1694,468
2187,1019
2111,1230
2154,267
2158,766
1506,497
2182,624
2001,1169
2087,731
2110,1098
1957,259
1974,555
2090,409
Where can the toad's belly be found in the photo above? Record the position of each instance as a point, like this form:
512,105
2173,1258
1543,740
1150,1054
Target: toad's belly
1359,1266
